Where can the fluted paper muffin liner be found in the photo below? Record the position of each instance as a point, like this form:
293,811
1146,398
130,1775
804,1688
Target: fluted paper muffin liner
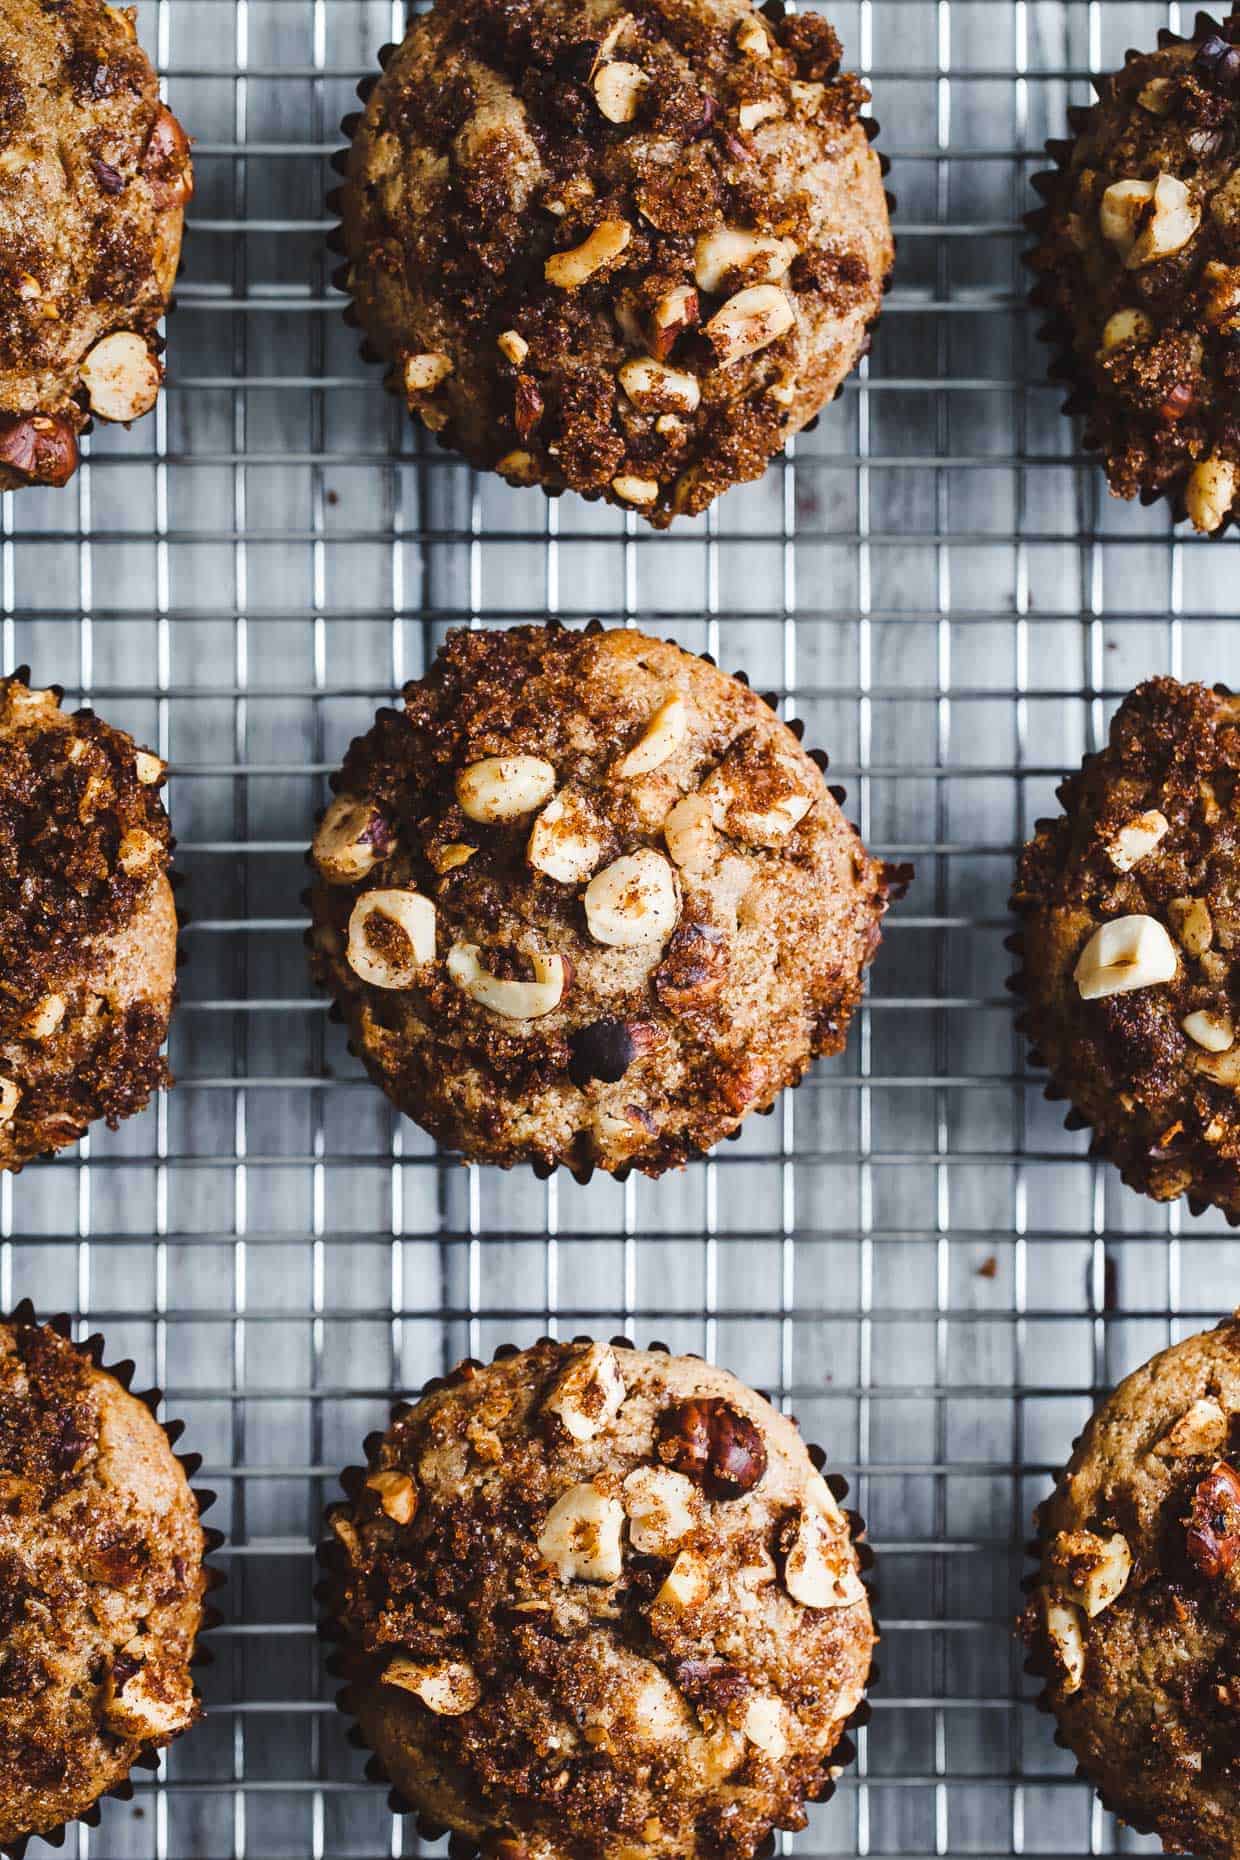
1064,365
330,1557
92,1349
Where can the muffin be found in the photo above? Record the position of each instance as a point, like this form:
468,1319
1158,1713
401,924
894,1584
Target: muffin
101,1581
585,900
1138,261
1135,1619
627,251
94,180
88,930
1130,920
597,1600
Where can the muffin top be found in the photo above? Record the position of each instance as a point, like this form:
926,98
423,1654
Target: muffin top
87,924
585,899
626,250
602,1596
1135,1621
1130,918
101,1581
1139,259
94,179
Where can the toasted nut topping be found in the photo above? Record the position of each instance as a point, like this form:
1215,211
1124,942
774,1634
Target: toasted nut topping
633,900
504,787
518,467
618,90
750,321
581,1538
514,1000
1216,1033
147,768
783,392
449,1688
352,838
1202,1428
1211,493
1134,841
569,270
1125,954
807,97
1192,923
1127,326
730,253
689,831
1223,1068
342,1526
672,316
588,1394
662,1507
1223,303
1092,1571
686,1585
566,841
166,164
43,1022
1124,206
763,1724
1156,96
513,346
661,738
750,115
818,1571
634,490
423,373
391,937
1062,1620
1213,1535
121,377
656,389
137,850
40,448
125,20
447,858
10,1098
145,1701
398,1498
1169,226
713,1443
751,38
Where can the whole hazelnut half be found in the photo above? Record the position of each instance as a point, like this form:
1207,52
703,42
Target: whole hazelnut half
713,1443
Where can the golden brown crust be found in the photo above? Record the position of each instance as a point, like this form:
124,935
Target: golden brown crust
94,179
101,1582
580,1704
1151,1704
1163,394
1162,1106
87,924
506,134
651,1051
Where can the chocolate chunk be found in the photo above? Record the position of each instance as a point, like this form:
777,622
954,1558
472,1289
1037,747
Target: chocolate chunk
604,1050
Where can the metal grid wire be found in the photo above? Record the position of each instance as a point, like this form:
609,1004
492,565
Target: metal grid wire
911,1253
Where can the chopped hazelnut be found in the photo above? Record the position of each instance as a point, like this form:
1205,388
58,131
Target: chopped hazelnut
1202,1428
1127,326
634,490
752,115
1139,837
588,1393
618,89
513,346
676,311
397,1495
581,1538
449,1688
1192,923
731,254
121,377
751,37
632,901
504,787
424,373
764,1724
1062,1620
391,937
751,320
1214,1033
662,1507
687,1584
818,1570
10,1098
566,841
449,857
1091,1570
1211,493
1124,954
569,270
654,388
46,1018
513,1000
1213,1526
662,737
352,838
148,768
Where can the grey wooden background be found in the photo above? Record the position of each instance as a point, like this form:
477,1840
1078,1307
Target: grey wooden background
911,1253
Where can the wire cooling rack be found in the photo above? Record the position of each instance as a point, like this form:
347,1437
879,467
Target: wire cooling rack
911,1253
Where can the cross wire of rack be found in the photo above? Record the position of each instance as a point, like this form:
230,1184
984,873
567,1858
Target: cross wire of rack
911,1253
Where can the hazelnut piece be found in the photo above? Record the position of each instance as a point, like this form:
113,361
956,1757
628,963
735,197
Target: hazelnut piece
391,937
566,841
397,1495
581,1537
618,90
752,320
504,787
148,768
513,346
143,1700
1126,326
513,999
675,312
1202,1428
43,1022
1133,842
662,1507
1124,206
570,270
166,163
448,857
1211,492
633,490
751,115
1213,1525
40,447
423,373
687,1584
121,377
1091,1570
661,738
1192,923
731,254
10,1098
352,838
449,1688
1171,224
818,1568
1124,954
712,1442
1062,1621
764,1725
1214,1033
689,831
751,38
633,900
653,388
587,1395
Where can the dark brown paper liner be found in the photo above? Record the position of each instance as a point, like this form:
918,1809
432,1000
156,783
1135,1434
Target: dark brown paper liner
1056,332
896,880
330,1557
176,881
1102,1147
92,1348
335,242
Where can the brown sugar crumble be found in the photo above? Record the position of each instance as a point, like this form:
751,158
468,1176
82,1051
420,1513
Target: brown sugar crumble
101,1582
585,900
1128,944
563,1644
626,252
87,924
1138,262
